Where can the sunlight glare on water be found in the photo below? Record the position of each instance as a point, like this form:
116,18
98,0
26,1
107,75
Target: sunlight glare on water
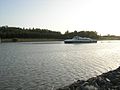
42,66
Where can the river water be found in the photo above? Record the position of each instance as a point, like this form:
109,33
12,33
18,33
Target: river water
50,65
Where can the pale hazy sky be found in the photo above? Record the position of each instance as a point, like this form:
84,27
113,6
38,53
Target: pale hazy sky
102,16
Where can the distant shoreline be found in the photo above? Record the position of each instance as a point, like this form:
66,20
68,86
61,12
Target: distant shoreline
28,40
37,40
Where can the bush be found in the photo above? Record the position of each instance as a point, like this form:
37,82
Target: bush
14,39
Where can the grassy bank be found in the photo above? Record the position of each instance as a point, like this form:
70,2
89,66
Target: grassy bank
28,40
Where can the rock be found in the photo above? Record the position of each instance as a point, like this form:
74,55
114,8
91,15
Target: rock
90,87
106,81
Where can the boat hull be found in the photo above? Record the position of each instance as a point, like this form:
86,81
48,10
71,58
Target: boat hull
80,41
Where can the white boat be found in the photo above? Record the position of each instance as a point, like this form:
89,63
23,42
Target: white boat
77,39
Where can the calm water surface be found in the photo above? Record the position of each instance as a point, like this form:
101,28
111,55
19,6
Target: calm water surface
49,65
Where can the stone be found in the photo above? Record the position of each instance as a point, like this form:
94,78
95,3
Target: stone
105,81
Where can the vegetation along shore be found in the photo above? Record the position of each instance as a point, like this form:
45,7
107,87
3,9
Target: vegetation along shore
14,34
106,81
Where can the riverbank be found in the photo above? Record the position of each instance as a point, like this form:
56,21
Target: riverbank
106,81
28,40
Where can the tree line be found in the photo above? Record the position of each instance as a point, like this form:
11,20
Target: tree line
90,34
16,32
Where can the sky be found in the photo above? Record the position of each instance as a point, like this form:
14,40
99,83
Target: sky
102,16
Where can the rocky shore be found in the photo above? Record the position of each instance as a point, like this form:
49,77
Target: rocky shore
106,81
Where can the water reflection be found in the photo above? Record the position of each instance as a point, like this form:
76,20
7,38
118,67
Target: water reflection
44,66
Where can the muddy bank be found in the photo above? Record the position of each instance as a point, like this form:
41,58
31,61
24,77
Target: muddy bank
105,81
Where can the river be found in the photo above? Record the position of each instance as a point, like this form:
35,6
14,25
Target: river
50,65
